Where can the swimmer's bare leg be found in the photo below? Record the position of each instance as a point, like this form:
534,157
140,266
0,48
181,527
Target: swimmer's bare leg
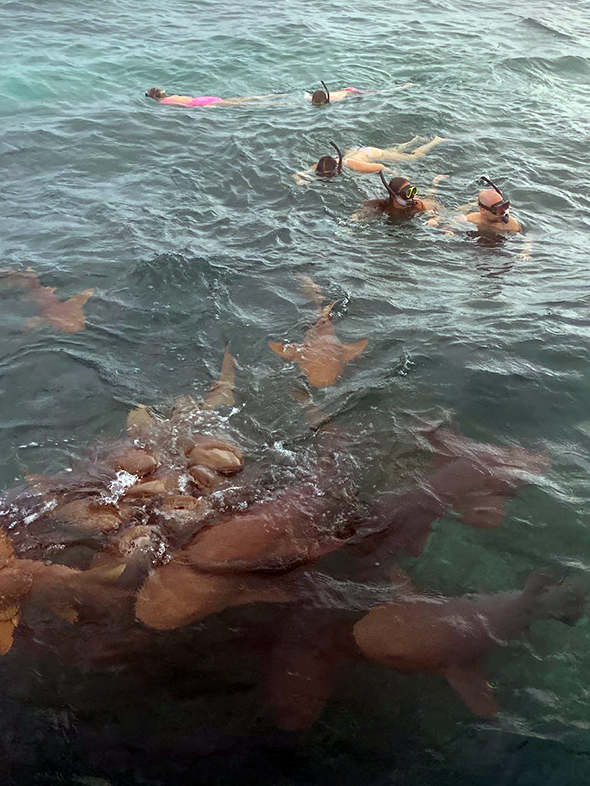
405,145
244,99
419,152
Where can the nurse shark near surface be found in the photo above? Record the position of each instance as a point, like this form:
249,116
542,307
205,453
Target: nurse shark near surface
65,315
322,356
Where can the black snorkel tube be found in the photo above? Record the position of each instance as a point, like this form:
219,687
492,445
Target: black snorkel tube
399,199
500,209
337,149
327,91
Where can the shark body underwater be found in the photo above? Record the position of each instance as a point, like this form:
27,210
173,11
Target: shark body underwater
175,523
321,356
65,315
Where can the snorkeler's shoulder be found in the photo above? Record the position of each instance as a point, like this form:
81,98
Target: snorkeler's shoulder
473,218
427,206
513,225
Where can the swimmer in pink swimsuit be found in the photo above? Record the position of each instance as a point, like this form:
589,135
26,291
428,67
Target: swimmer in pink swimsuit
160,95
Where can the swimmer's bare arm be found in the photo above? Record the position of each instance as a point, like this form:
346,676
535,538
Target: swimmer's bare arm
305,176
527,246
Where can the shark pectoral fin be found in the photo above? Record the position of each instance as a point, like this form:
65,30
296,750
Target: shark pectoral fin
108,574
222,391
33,322
6,550
80,298
67,613
287,351
469,681
140,418
7,629
352,351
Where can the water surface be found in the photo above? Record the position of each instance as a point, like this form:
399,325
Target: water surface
189,227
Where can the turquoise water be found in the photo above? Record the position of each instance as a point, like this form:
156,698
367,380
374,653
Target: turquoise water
188,226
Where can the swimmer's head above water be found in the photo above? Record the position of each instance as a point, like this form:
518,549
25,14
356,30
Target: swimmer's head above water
319,97
328,166
156,93
400,191
492,204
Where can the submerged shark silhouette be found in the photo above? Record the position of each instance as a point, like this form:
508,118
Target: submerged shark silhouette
65,315
322,356
55,587
451,636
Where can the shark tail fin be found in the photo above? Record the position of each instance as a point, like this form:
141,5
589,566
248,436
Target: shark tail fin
222,391
310,288
86,586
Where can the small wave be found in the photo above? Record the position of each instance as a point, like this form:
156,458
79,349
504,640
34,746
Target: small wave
539,24
559,67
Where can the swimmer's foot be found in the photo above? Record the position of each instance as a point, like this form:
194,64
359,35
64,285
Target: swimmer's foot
438,179
404,145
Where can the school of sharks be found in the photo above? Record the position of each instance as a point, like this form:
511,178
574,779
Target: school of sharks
174,523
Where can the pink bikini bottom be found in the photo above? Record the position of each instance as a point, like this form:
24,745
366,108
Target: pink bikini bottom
204,100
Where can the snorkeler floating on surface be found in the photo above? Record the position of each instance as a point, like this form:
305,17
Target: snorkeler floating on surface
493,217
203,101
364,159
493,214
319,98
402,201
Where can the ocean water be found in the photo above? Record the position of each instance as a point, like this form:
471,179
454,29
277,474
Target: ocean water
188,226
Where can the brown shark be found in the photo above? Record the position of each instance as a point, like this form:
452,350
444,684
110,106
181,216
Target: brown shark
472,478
55,587
303,665
322,356
254,554
221,393
143,424
65,315
452,636
242,558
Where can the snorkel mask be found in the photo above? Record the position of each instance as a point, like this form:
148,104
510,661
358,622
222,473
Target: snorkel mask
500,208
327,91
404,200
322,171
